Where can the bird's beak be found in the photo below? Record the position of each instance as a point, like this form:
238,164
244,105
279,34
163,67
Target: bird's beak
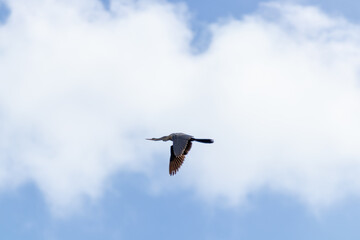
148,139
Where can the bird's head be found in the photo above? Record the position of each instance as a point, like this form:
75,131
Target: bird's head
152,139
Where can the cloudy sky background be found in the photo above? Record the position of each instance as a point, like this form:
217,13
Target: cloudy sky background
84,82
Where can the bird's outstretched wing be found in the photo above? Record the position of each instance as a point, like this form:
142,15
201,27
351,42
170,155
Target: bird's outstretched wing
180,141
177,161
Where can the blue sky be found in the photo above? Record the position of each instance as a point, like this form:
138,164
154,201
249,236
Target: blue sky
274,83
211,11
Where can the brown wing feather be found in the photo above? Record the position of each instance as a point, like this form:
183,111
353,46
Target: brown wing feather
188,147
176,162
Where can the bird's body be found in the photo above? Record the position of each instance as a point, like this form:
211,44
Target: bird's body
181,146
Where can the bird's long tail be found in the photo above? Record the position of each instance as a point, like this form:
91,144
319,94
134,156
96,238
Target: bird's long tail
203,140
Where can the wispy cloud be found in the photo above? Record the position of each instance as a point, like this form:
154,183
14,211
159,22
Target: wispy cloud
82,87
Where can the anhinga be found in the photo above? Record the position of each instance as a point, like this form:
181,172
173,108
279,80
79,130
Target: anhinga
181,146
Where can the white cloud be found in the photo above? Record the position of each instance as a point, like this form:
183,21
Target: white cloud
82,87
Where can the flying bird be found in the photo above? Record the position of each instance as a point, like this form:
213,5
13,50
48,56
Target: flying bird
181,146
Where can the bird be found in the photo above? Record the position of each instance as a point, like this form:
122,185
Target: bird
181,146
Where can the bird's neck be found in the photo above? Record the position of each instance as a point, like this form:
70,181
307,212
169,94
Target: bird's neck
166,138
